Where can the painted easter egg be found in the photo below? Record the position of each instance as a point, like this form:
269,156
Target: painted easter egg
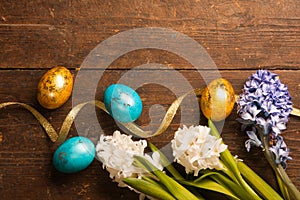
217,100
74,155
55,87
123,103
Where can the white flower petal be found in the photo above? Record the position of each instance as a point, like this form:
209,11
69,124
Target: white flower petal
116,153
196,149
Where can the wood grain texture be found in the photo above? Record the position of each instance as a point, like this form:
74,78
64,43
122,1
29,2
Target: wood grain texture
240,37
26,152
237,34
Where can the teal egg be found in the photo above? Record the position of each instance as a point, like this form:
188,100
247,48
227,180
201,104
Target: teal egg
74,155
123,103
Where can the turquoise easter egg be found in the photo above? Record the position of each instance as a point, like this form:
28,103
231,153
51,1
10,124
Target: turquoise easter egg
123,103
74,155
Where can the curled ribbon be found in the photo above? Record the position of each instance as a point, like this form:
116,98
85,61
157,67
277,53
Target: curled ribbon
132,127
65,128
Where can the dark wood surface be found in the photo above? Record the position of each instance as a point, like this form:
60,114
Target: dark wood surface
240,36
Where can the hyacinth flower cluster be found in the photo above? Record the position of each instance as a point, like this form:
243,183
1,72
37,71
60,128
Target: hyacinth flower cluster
187,144
208,165
264,108
117,151
266,104
129,165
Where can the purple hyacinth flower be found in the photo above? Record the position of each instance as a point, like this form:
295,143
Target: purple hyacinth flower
280,151
266,104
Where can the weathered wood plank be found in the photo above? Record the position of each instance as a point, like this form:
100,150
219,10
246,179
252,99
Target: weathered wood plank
240,36
237,34
26,152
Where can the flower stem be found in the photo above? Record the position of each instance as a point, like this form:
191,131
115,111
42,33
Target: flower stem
174,188
278,169
231,164
165,162
283,188
149,188
294,192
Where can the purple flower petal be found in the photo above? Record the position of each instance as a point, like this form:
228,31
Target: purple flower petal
265,103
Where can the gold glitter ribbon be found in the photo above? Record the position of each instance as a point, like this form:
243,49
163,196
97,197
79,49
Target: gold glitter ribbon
132,127
295,112
65,128
166,120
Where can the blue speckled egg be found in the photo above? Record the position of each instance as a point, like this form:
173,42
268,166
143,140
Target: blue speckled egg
123,103
74,155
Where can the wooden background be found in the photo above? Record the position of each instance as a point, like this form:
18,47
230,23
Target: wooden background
240,36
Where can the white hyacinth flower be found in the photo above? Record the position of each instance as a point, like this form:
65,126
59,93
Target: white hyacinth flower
117,153
195,149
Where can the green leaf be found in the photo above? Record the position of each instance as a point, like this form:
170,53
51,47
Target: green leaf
226,156
148,188
232,186
165,162
137,163
283,188
231,164
264,189
209,184
205,175
155,182
177,190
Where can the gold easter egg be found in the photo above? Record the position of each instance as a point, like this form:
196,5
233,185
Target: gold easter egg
217,100
55,87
